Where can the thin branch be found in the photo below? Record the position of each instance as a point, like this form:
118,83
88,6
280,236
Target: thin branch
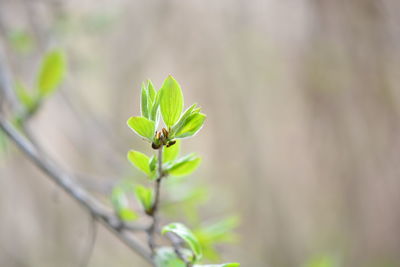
66,182
154,208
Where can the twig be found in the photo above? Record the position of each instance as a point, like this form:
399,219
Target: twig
154,208
67,183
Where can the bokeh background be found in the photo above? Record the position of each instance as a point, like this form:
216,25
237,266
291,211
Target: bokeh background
302,139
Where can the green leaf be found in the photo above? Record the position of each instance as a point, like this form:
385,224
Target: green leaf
26,99
51,72
142,126
166,257
182,119
154,114
191,125
171,101
121,205
232,264
323,260
140,161
186,235
170,153
144,106
144,196
184,166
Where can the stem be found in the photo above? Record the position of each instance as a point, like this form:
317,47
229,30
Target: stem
154,215
154,208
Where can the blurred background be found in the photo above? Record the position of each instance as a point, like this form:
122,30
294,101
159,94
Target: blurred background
302,138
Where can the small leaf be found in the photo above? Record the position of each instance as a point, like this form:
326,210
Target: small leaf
182,119
170,153
144,196
166,257
121,205
154,114
142,127
51,72
184,166
144,107
191,125
153,163
26,99
152,92
171,101
140,161
186,235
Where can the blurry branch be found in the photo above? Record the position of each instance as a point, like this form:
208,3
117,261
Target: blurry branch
75,191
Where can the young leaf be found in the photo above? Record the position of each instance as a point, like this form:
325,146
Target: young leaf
142,127
140,161
51,72
184,166
186,235
171,101
144,196
154,114
166,257
182,119
121,205
152,92
232,264
144,106
26,99
191,125
170,153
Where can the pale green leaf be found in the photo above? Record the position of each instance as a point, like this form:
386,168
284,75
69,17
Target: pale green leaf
171,101
144,196
121,205
152,92
51,73
170,153
140,161
144,106
166,257
184,166
26,99
186,235
142,127
191,126
182,119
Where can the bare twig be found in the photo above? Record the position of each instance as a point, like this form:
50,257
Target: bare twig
66,182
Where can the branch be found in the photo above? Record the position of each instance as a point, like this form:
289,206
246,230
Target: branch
67,183
153,211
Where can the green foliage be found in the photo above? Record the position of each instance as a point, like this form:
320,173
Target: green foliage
140,161
142,126
186,235
21,41
51,73
121,205
28,101
216,233
144,196
322,261
183,166
190,123
171,101
166,257
172,152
